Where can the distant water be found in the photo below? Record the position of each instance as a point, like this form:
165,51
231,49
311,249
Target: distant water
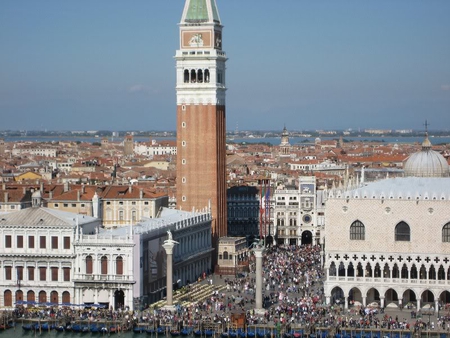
271,140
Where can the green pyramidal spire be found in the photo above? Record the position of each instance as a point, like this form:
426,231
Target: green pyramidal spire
197,11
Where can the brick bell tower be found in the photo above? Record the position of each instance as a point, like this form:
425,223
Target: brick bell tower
201,128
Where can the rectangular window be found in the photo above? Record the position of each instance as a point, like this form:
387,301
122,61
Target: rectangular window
54,274
8,272
31,242
20,241
66,242
66,205
31,273
73,205
7,241
42,242
20,273
56,205
54,242
66,274
42,274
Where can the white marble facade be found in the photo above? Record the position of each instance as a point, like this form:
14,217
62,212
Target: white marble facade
389,242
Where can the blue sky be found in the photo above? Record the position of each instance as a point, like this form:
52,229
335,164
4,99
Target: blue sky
108,64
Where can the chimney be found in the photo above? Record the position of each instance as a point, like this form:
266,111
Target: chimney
130,188
66,186
6,197
83,189
42,187
24,190
50,194
141,193
3,186
78,195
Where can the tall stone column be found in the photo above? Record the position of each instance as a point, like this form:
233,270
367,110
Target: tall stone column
168,246
169,270
258,296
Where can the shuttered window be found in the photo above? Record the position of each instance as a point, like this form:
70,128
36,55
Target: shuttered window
42,274
31,273
89,265
54,274
19,241
20,272
119,266
54,242
66,274
66,242
7,241
31,242
42,242
8,272
104,262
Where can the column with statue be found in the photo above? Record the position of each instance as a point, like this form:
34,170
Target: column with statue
168,246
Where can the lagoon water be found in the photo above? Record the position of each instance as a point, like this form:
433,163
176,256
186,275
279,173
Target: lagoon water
271,140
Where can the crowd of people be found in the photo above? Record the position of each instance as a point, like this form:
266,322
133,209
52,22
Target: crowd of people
292,296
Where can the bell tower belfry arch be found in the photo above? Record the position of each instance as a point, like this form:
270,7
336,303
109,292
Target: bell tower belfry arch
201,127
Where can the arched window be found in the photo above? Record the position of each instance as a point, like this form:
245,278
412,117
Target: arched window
441,273
7,298
225,255
395,271
402,232
341,269
54,297
404,272
30,296
186,76
104,265
66,297
119,266
432,273
332,270
357,231
446,233
89,265
19,295
42,297
193,76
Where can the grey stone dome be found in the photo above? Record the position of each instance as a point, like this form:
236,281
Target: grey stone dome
426,163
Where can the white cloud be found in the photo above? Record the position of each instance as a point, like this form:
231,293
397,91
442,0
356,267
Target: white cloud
445,87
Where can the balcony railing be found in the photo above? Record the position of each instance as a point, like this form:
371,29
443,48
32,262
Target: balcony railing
377,280
102,278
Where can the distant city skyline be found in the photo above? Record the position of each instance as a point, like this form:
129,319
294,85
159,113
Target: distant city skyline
78,65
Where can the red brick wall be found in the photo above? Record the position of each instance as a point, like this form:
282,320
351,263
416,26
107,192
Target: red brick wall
205,167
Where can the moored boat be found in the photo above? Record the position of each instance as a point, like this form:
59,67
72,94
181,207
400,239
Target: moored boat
187,331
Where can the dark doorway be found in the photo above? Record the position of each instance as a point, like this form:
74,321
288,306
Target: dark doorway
119,301
306,237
